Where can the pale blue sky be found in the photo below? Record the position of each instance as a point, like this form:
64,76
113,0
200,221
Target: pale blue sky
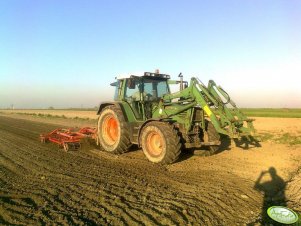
66,53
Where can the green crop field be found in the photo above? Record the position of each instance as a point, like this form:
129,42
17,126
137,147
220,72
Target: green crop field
91,112
273,112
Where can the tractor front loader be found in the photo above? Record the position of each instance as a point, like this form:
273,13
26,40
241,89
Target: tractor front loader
146,113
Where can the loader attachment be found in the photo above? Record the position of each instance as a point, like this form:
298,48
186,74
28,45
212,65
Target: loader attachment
224,115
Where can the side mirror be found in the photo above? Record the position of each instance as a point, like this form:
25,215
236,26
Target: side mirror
131,83
113,84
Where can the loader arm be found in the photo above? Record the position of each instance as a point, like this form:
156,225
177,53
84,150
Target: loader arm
228,121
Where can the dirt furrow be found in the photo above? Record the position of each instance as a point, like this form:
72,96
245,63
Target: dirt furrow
43,185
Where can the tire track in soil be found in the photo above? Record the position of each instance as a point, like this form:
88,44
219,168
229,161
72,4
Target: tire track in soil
42,185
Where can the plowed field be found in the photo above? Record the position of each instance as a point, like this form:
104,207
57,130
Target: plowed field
41,185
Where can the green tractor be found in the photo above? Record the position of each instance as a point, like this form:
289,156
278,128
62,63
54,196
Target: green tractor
144,112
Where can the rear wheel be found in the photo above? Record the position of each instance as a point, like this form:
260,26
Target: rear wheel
160,142
113,135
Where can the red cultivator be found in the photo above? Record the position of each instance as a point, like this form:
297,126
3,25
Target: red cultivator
68,138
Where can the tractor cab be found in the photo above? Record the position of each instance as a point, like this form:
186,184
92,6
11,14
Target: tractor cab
142,93
146,113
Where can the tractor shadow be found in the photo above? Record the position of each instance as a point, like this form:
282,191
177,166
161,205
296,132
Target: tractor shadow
247,142
244,143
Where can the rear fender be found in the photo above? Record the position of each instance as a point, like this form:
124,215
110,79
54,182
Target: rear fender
125,108
103,105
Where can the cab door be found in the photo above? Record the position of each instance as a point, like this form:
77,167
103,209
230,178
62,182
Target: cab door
132,95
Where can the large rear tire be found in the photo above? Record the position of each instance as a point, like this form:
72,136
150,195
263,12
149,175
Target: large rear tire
160,142
112,134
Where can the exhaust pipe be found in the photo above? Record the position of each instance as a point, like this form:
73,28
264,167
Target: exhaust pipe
181,81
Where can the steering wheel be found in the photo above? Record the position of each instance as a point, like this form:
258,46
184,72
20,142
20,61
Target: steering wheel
148,96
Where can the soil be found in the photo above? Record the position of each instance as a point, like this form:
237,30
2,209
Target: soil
42,185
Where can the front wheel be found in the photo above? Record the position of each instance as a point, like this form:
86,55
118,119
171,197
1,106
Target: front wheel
113,135
160,142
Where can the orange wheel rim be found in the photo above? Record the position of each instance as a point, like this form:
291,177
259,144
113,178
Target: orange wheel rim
110,130
154,143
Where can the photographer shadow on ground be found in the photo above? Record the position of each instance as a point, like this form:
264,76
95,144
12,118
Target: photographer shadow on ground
274,193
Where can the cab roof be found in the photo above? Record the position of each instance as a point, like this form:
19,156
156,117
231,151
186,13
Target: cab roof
143,74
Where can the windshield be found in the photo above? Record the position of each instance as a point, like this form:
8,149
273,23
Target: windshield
147,89
156,88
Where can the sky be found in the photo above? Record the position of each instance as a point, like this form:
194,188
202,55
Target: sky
63,53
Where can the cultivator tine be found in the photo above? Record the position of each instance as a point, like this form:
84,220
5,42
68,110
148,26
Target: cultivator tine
42,139
74,146
66,147
71,146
